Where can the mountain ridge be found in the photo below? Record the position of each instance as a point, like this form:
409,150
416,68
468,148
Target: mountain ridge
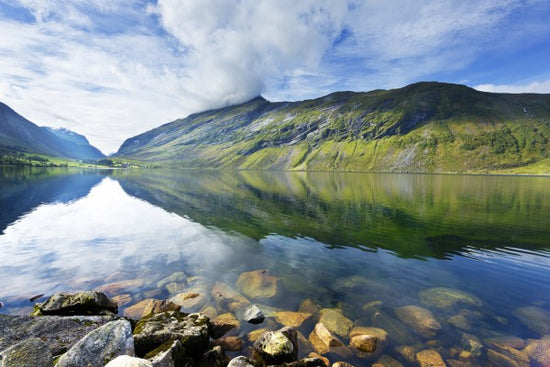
19,135
422,127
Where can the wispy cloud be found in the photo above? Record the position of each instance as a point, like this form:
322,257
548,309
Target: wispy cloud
533,87
111,69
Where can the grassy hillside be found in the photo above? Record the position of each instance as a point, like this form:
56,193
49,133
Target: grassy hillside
424,127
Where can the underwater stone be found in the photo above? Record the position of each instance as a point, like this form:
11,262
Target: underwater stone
222,324
257,284
535,318
253,315
430,358
292,319
539,350
335,321
442,297
177,277
421,320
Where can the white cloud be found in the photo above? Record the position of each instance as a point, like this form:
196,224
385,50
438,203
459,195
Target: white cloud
533,87
111,69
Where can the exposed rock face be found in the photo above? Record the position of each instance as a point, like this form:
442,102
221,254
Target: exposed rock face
59,333
156,329
441,297
83,303
257,284
420,320
100,346
292,319
277,347
535,318
127,361
335,321
148,306
429,358
30,352
253,315
168,354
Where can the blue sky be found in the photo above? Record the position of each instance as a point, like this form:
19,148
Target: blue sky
111,69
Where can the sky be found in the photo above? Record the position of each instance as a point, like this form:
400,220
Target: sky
112,69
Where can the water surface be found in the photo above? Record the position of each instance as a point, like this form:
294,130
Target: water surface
366,244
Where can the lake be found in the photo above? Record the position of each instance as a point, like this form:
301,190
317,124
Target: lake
353,249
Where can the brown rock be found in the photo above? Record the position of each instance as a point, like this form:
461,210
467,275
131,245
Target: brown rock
429,358
227,297
322,358
335,321
398,332
257,284
407,352
387,361
190,301
148,306
539,350
292,319
308,306
222,324
255,334
518,357
420,320
118,287
535,318
511,341
122,299
441,297
364,343
500,360
341,364
229,343
323,342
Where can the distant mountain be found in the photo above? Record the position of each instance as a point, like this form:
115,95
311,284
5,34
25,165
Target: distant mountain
18,134
423,127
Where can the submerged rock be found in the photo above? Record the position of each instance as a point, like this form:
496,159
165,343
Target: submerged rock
83,303
323,341
535,318
190,301
309,306
121,287
387,361
147,306
539,351
335,321
253,315
177,277
277,347
430,358
466,319
127,361
442,297
368,339
420,320
229,343
228,298
222,324
100,346
30,352
257,284
156,329
292,319
397,331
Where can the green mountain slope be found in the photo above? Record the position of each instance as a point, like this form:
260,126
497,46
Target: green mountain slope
423,127
18,134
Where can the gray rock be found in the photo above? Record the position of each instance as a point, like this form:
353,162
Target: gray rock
127,361
177,277
154,330
535,318
240,361
277,347
253,315
420,320
28,353
169,354
83,303
100,346
59,333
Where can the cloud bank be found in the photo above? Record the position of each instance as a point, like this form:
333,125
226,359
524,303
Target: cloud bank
111,69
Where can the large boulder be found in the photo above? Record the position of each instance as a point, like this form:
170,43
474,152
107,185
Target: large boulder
155,330
28,353
257,284
59,333
335,321
420,320
192,300
539,351
100,346
82,303
277,347
228,298
443,298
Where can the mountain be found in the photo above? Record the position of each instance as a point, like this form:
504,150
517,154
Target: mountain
18,134
423,127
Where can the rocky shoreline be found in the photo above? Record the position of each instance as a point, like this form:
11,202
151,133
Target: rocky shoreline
193,329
